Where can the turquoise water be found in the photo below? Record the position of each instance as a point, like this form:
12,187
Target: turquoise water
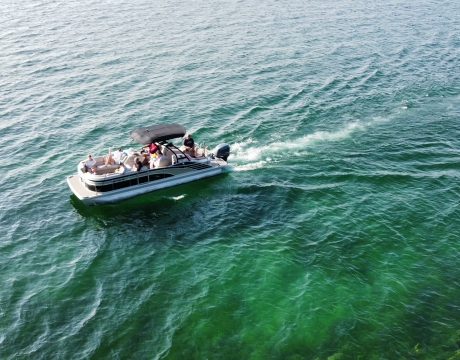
334,236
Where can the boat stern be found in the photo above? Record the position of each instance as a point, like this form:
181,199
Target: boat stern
79,189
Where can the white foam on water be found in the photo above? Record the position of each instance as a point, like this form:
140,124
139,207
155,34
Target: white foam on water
249,155
177,198
250,166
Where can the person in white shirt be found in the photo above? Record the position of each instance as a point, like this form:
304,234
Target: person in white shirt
161,160
118,156
158,160
115,158
90,164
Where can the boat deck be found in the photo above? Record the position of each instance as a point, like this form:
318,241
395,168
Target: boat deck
78,188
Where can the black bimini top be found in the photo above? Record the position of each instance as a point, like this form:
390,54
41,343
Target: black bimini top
157,133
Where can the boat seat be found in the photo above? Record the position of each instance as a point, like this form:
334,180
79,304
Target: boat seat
106,169
164,161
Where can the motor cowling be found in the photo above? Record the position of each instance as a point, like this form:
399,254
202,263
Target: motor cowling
222,151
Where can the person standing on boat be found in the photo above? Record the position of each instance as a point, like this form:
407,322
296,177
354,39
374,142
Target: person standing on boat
189,144
153,148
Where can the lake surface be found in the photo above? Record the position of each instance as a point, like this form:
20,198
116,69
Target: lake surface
334,236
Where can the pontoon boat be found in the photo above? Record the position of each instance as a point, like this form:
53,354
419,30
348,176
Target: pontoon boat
111,181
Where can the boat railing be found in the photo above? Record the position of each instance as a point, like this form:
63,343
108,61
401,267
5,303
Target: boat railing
174,154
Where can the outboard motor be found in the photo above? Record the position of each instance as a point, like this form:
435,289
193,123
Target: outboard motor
222,151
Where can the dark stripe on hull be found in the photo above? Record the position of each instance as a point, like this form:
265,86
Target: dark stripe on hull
124,181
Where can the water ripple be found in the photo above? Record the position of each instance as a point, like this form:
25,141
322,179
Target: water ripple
335,235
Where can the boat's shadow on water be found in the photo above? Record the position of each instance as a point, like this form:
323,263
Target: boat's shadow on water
178,201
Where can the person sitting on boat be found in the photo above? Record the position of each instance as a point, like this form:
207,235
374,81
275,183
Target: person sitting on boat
119,156
189,145
90,164
138,164
115,158
145,159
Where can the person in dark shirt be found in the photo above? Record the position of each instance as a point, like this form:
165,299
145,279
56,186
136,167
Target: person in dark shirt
138,164
189,145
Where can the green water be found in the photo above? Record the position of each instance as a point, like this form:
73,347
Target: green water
334,236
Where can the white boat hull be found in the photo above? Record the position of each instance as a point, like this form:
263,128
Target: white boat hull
123,175
88,197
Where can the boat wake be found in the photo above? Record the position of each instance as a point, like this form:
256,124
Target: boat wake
250,155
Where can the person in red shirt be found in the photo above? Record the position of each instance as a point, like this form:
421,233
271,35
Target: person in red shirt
153,148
